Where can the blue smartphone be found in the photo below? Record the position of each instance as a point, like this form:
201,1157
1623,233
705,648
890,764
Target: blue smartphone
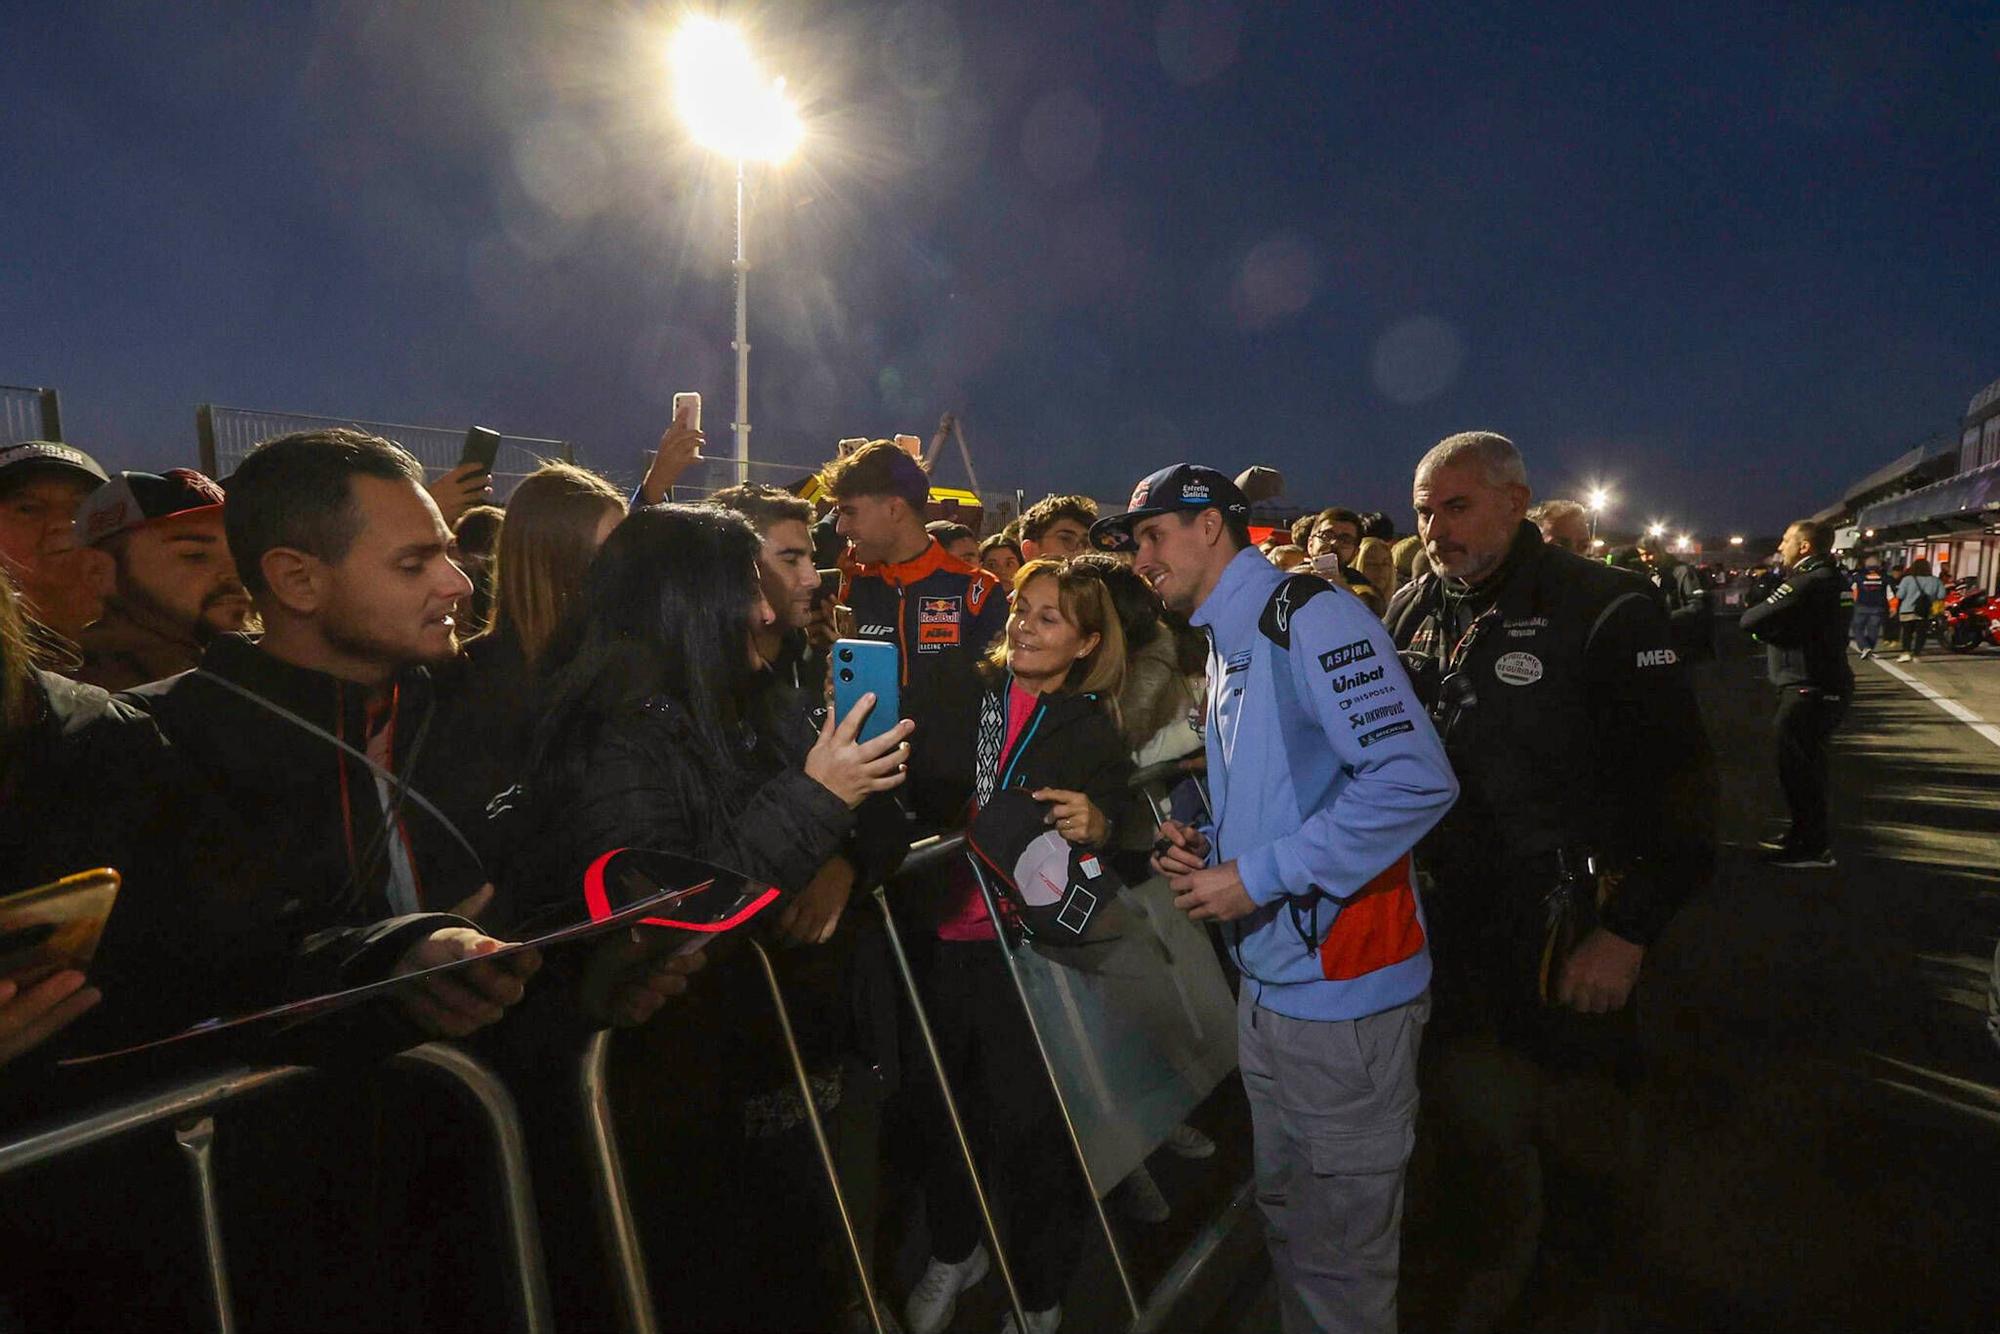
859,667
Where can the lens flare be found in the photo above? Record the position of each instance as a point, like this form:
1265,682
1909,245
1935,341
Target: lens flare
728,104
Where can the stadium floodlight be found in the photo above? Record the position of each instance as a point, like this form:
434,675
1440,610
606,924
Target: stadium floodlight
731,107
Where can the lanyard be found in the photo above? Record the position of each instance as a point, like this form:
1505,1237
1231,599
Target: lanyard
397,785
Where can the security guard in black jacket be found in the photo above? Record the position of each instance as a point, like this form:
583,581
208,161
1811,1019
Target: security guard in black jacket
1690,617
1803,624
1585,819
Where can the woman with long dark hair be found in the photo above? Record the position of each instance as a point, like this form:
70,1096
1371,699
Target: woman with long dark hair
657,725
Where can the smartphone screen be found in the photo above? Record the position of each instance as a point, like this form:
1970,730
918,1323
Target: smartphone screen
482,446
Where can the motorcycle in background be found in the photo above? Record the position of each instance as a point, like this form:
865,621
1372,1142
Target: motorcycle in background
1968,618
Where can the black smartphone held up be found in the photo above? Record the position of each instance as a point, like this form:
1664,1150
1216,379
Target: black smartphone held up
482,446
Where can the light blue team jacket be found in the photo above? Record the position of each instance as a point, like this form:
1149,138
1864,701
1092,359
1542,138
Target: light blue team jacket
1319,787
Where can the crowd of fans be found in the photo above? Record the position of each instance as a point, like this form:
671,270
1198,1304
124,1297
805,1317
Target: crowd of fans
334,724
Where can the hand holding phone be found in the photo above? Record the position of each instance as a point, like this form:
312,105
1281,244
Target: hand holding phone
54,927
679,447
482,447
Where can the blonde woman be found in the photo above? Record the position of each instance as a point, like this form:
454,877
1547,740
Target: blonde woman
1047,723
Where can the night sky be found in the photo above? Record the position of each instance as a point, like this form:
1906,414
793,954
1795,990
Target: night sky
1728,258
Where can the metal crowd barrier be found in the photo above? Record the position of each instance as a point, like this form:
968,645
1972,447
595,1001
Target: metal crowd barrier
189,1105
619,1225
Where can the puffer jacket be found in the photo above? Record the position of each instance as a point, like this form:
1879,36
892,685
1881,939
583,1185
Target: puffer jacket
650,784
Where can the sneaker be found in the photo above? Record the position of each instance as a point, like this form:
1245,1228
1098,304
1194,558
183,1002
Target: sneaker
1039,1322
1906,658
1777,845
934,1301
1868,653
1806,861
1138,1198
1190,1143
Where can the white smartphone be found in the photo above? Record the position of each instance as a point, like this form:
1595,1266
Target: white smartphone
687,411
912,446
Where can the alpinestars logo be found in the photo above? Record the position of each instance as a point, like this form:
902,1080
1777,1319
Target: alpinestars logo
1281,609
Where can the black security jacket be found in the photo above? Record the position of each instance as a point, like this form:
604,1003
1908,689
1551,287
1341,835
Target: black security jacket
1803,627
1583,733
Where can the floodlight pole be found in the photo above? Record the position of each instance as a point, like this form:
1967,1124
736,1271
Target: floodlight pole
741,426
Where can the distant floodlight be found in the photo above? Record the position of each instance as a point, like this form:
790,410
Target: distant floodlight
1735,541
1598,499
728,104
1656,530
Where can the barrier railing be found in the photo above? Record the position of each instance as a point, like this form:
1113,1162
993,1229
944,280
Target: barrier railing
188,1106
225,435
620,1226
28,412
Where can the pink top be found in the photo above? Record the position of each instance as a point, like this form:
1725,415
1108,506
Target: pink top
970,920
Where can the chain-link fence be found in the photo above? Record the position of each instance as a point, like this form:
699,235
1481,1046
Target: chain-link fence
32,413
228,434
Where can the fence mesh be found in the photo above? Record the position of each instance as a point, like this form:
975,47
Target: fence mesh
25,417
234,432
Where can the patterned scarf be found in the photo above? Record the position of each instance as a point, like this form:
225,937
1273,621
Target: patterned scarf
992,737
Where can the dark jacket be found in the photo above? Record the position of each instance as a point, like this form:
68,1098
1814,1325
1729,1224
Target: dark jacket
1690,617
308,822
1871,590
479,743
128,647
1583,734
1802,624
942,615
649,783
90,783
1068,742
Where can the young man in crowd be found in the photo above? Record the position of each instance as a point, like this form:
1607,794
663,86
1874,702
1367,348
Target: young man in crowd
1333,544
176,583
310,733
1057,526
941,613
62,583
959,542
1803,625
1586,818
1309,715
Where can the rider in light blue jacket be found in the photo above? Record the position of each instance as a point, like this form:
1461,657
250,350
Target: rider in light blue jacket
1324,771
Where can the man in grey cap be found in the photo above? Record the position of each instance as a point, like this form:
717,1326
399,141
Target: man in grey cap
62,583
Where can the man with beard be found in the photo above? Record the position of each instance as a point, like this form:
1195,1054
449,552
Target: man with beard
1585,820
177,586
311,732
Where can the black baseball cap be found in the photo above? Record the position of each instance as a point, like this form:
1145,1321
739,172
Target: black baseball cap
1185,486
29,458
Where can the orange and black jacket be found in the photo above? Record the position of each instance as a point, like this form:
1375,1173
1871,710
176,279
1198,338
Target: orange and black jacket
942,615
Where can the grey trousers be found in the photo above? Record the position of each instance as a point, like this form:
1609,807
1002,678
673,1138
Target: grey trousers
1333,1106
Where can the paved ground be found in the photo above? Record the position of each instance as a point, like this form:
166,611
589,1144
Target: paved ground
1823,1116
